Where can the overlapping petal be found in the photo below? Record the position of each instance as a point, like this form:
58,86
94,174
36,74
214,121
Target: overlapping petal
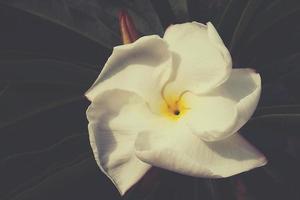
203,62
141,67
179,150
243,87
223,111
210,117
115,117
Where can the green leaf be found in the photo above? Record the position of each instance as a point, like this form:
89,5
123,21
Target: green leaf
180,10
277,180
39,127
270,131
34,86
206,10
275,110
273,14
280,68
285,72
47,71
22,101
213,190
229,6
79,180
40,164
244,21
96,20
230,18
291,118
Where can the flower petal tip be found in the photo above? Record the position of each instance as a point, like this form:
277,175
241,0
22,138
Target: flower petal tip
87,96
263,161
260,162
253,70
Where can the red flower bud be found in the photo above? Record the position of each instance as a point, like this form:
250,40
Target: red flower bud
127,28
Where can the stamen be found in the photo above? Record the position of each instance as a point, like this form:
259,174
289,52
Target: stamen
176,112
181,95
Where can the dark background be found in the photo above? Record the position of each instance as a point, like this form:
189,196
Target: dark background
52,51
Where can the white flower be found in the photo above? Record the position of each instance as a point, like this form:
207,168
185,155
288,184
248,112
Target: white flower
173,102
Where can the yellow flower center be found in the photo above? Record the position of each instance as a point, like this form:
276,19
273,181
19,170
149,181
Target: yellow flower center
173,108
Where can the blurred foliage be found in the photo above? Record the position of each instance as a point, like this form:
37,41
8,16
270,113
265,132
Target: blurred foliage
52,51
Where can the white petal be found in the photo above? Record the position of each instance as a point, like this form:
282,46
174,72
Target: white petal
223,111
210,117
203,61
115,117
185,153
141,67
243,87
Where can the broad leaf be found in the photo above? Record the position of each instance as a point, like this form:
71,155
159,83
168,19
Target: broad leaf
27,169
275,110
229,19
33,86
247,15
47,71
180,10
270,132
280,81
207,10
78,180
279,69
40,124
276,11
96,20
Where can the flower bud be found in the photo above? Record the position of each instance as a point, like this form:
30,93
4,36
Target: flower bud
127,28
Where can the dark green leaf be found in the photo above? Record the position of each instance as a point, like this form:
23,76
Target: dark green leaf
263,185
71,183
206,10
270,132
275,110
39,129
96,20
221,189
230,18
278,70
180,10
37,165
34,86
22,101
285,72
243,23
47,71
274,13
280,120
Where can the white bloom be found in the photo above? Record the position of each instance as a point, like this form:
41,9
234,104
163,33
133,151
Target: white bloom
173,102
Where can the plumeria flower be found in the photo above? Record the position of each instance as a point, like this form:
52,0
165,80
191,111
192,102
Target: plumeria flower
175,103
